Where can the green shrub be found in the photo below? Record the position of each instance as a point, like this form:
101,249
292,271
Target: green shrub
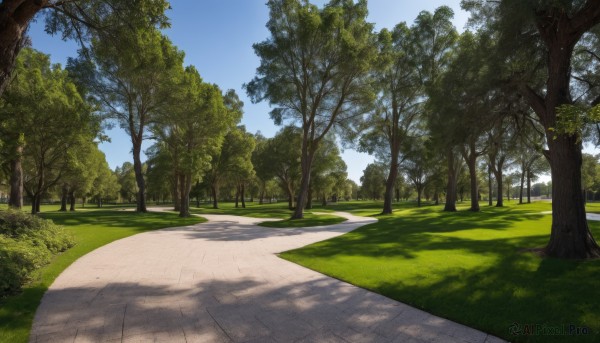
26,244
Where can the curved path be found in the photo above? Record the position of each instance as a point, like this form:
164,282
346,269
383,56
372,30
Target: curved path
221,281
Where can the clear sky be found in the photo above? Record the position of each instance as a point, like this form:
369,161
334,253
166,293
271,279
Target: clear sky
217,37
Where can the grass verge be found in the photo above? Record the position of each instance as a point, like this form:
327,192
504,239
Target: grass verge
470,268
91,229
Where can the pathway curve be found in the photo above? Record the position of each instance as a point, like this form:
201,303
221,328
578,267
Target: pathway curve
221,281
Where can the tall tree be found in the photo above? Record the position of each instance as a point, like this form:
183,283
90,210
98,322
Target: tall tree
534,34
399,96
192,128
436,39
314,69
134,82
44,117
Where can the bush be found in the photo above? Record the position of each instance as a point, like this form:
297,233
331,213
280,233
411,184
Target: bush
26,244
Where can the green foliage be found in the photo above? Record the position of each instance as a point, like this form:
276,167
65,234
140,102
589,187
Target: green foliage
373,181
572,120
26,244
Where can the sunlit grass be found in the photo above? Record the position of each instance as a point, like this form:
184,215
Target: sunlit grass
468,267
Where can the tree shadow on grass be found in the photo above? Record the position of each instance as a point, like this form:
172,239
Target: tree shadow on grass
469,268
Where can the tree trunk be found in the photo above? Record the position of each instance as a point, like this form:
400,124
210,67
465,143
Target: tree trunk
176,194
500,190
63,198
450,205
243,195
522,184
237,195
419,191
390,182
570,236
185,182
471,160
139,177
72,201
309,197
15,199
215,193
15,16
528,187
306,165
490,188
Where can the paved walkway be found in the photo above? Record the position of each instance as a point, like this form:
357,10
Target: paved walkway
222,282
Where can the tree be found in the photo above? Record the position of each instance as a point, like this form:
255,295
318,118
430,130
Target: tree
397,107
74,19
192,129
314,69
373,181
419,166
126,179
44,117
284,154
533,34
134,81
328,169
233,159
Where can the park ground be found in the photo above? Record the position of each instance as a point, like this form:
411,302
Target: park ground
472,268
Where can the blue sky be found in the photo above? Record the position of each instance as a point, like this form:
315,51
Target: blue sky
217,37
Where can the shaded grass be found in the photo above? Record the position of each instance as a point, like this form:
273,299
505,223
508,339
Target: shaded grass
467,267
310,219
91,229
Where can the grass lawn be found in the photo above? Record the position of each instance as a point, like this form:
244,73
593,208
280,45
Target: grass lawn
467,267
91,229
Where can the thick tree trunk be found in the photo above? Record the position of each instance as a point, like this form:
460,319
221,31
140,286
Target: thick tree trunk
15,199
63,198
305,165
500,190
243,195
15,16
309,198
419,191
139,177
471,160
185,182
522,185
72,201
237,195
570,236
390,182
450,205
215,194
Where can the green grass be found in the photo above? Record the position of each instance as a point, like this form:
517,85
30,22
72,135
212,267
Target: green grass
91,229
310,219
467,267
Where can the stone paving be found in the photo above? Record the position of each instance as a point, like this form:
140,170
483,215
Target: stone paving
221,281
